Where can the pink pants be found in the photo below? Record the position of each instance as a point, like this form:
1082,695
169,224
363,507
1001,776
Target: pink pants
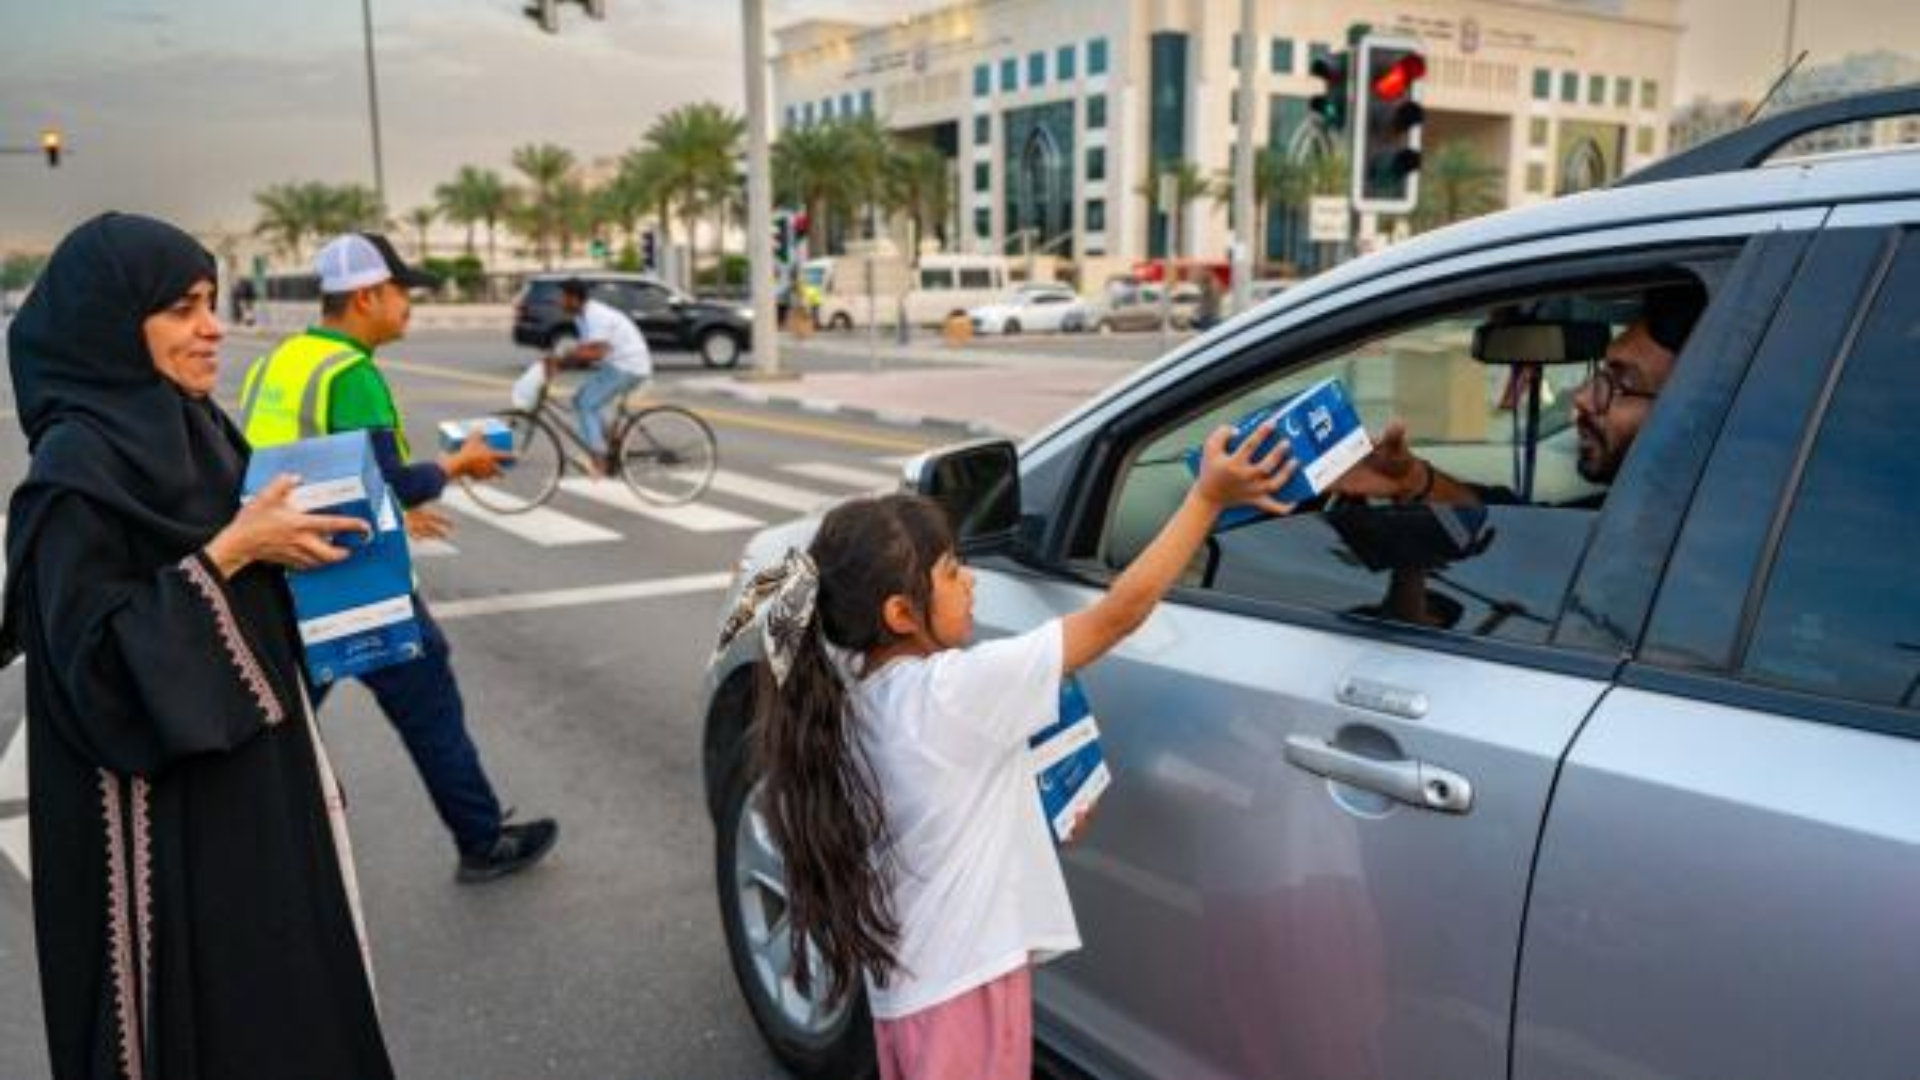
984,1034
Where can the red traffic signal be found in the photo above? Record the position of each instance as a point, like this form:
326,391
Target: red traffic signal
1397,80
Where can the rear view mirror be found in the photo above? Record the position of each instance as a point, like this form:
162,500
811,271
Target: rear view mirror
1540,341
979,484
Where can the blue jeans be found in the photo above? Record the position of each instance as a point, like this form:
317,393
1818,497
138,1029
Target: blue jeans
606,385
422,702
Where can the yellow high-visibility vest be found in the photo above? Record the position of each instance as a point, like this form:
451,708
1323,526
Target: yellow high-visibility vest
287,393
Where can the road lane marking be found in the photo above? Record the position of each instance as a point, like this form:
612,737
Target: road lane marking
694,517
432,549
581,597
786,496
541,526
845,475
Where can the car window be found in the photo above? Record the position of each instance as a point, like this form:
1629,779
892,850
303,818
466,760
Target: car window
1841,613
976,279
1050,298
1500,569
936,279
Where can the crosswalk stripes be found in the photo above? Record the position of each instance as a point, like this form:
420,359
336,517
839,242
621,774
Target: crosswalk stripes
845,475
542,526
786,496
694,517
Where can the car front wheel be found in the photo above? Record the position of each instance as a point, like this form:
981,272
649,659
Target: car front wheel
719,349
810,1037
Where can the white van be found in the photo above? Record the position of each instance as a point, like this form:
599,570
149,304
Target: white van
942,285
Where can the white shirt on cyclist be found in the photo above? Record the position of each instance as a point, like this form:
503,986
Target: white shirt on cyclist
602,324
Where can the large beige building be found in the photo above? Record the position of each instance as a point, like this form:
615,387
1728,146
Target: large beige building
1056,112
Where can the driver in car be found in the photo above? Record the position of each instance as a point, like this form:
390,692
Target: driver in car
1609,410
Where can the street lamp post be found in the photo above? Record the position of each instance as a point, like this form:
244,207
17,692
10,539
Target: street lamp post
766,329
1243,194
373,104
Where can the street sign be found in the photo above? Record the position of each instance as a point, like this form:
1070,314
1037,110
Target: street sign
1329,219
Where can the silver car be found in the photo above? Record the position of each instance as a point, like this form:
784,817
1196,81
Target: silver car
1611,780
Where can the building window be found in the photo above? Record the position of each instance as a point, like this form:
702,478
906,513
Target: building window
1643,141
866,103
1570,87
1097,112
1097,56
1233,107
983,223
982,176
1596,89
1009,75
982,130
1622,93
846,105
1238,45
1063,63
1542,84
826,111
1281,58
806,114
1036,70
793,117
982,80
1537,178
1649,94
1096,215
1538,130
1096,164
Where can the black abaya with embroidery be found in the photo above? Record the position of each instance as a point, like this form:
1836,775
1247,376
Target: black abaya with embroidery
193,891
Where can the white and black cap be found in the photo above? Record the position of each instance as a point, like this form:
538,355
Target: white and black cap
359,260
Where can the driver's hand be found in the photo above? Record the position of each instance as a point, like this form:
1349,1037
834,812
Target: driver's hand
1390,471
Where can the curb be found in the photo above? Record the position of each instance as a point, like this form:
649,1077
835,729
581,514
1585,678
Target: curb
904,419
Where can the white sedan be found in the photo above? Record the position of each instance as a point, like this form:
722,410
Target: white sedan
1031,311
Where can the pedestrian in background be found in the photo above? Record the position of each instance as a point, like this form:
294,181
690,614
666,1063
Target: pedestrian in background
193,891
901,794
325,381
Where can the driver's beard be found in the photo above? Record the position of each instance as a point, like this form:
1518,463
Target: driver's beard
1598,461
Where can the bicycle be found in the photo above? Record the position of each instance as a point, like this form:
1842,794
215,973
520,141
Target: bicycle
666,454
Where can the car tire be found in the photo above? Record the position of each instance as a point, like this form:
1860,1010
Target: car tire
1012,327
841,322
840,1046
719,348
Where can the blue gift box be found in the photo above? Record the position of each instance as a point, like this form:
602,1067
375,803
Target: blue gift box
1068,765
1324,432
356,615
497,435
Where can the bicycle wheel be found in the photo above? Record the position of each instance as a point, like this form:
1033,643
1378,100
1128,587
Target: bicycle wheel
533,476
667,455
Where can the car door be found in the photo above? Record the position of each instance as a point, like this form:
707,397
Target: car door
1726,880
652,309
1327,785
1045,311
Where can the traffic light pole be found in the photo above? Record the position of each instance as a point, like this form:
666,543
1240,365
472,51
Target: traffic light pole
766,325
373,104
1243,194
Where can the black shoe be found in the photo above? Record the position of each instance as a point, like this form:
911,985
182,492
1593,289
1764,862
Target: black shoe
516,848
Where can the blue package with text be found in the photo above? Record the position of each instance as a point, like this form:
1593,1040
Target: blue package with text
356,615
1326,437
493,430
1068,765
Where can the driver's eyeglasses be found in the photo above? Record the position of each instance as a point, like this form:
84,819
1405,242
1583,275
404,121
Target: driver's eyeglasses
1607,387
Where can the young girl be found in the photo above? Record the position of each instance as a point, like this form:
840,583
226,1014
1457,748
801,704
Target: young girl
900,792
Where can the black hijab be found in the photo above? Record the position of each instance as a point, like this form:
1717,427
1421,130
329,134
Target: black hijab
100,420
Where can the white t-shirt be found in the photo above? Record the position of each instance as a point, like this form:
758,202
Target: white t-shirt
600,323
976,883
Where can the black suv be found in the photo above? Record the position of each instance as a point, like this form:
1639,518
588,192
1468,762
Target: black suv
719,332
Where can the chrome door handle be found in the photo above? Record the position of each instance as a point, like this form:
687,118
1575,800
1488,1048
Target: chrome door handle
1414,783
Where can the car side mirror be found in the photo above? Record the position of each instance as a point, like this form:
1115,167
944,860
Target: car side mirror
979,485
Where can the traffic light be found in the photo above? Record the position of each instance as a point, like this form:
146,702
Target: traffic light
50,145
649,252
1330,104
1386,156
782,238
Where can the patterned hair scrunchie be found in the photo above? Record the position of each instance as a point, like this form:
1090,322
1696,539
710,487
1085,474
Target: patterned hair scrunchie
781,599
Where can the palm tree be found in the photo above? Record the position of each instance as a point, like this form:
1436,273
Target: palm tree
286,217
643,177
422,219
1455,184
919,184
473,196
1279,180
545,166
697,145
1190,186
807,172
350,208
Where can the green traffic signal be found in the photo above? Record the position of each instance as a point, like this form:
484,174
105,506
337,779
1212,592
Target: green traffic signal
1330,104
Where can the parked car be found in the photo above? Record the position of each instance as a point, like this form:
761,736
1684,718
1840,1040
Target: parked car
719,332
1582,782
1033,309
939,287
1132,305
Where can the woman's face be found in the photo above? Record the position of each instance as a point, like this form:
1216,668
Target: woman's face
184,338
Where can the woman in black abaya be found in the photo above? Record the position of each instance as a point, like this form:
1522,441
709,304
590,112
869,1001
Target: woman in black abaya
194,902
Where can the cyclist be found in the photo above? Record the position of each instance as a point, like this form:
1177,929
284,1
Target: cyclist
613,348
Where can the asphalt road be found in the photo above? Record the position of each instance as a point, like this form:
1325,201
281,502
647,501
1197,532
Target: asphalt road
607,961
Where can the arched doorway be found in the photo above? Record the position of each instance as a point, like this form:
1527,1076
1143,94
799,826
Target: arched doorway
1583,168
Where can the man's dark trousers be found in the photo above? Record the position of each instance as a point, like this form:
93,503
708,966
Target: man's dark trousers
422,702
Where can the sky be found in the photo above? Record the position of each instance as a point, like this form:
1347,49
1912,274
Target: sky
185,108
